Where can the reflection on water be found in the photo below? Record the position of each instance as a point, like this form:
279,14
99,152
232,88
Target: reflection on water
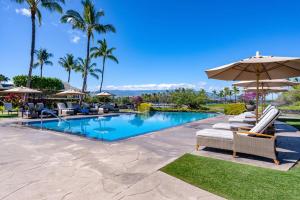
122,126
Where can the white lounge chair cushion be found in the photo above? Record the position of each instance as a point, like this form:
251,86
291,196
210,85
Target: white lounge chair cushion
268,119
216,133
241,119
229,126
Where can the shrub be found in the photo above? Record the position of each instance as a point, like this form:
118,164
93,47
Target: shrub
234,109
44,83
144,107
201,109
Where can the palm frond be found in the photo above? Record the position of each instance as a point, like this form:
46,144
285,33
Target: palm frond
113,58
39,16
75,19
52,5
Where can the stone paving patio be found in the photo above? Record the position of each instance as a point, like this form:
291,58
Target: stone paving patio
37,164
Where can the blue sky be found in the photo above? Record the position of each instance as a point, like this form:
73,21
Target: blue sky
160,44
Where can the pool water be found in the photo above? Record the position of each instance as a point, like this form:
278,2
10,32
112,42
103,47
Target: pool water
117,127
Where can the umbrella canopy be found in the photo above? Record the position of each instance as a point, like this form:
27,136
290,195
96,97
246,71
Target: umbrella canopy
70,93
104,94
266,83
264,67
267,89
257,68
21,90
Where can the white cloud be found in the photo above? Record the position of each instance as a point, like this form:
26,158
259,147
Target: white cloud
23,11
75,39
162,86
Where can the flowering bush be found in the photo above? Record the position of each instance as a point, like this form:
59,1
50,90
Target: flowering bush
14,99
249,97
137,100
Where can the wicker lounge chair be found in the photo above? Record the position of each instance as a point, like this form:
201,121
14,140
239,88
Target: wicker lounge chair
235,125
253,142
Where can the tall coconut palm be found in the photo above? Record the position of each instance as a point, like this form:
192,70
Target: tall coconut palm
89,23
236,91
91,69
68,63
43,57
214,92
34,8
221,94
103,51
3,78
226,93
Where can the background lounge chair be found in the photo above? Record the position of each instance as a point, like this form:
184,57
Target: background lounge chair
8,107
63,110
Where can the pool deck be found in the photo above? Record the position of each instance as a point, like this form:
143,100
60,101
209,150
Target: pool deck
37,164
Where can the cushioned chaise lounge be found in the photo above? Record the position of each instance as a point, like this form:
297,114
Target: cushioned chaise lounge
234,125
253,142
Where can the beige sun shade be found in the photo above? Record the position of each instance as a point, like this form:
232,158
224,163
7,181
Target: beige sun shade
104,94
69,93
21,90
267,89
266,83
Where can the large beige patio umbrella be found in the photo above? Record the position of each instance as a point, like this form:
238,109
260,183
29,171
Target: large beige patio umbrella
104,94
257,68
70,93
21,90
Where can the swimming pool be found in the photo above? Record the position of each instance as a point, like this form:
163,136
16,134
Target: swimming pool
122,126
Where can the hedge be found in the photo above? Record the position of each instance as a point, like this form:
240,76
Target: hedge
234,108
144,107
37,82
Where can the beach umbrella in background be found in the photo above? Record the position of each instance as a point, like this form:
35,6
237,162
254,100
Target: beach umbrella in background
265,91
70,93
21,90
104,94
257,68
266,83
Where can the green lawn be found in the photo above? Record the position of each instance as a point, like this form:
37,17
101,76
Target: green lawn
216,107
5,115
292,122
236,181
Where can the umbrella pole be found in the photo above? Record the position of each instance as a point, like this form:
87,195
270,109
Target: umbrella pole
257,93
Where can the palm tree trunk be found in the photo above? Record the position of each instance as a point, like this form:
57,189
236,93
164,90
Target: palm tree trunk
86,66
41,70
32,48
102,74
69,75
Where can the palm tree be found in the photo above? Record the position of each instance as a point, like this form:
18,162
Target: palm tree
68,63
43,57
214,94
226,93
91,69
106,53
3,78
236,91
221,94
34,7
88,22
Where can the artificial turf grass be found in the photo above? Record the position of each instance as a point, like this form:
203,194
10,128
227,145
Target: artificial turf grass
292,122
235,181
8,115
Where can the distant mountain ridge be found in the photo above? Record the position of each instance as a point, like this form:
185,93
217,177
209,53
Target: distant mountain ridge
125,93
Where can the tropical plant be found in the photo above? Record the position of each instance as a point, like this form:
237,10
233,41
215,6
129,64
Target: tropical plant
43,57
236,91
214,92
103,51
34,8
221,94
226,93
3,78
68,63
89,23
44,83
91,69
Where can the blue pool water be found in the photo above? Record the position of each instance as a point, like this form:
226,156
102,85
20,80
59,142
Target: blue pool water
117,127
